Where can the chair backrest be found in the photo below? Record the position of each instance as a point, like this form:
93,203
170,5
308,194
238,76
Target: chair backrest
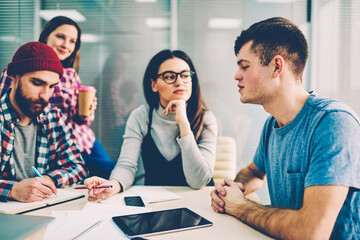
225,163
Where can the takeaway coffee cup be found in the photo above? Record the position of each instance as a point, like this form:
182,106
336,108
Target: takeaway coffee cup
85,99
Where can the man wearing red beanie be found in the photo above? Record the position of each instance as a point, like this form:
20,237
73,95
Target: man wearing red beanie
33,133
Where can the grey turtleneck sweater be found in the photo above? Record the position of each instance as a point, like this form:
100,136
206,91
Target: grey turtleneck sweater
198,158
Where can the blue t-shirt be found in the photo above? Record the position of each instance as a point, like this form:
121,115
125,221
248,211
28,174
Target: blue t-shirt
320,146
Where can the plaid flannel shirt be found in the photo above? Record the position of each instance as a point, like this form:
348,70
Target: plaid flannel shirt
65,97
56,152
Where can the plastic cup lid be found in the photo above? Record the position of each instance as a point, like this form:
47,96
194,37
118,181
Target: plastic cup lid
87,88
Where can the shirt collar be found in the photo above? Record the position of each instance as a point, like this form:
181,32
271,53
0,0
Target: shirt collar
8,110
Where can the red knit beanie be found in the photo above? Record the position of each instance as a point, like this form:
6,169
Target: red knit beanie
34,56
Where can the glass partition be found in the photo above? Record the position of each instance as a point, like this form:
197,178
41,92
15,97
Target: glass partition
120,37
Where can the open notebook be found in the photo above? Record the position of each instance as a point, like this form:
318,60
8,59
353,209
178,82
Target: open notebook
19,207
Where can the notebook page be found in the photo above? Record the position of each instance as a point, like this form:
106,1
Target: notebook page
16,207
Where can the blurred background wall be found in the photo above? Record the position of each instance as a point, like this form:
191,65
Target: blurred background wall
120,36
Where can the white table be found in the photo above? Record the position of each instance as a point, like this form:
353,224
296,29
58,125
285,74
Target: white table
224,226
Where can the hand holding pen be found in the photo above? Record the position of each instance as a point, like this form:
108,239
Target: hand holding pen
41,176
32,189
95,187
99,188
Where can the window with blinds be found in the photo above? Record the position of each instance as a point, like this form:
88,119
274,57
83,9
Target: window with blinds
336,50
16,27
118,40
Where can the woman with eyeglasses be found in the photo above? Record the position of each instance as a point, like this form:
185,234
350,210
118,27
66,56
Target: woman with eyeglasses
175,134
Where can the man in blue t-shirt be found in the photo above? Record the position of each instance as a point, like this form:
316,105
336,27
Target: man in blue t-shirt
309,149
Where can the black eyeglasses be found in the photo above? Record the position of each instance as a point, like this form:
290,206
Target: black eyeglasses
170,77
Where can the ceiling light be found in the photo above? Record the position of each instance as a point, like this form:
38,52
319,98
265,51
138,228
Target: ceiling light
157,22
90,38
73,14
276,1
224,23
9,39
145,0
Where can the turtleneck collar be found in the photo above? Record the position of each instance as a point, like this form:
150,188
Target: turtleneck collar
160,112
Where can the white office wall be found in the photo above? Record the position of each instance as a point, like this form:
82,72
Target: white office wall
336,50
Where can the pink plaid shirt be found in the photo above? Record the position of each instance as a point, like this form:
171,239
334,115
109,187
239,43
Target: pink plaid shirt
65,97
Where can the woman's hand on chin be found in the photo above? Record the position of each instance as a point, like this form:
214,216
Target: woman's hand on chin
179,108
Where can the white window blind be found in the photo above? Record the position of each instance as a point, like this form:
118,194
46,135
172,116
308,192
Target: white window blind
16,27
336,50
117,44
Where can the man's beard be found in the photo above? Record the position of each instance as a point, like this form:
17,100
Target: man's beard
27,105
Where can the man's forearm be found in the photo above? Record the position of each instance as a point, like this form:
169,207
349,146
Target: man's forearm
249,179
276,222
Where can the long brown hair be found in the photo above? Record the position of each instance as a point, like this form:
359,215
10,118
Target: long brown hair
195,105
54,24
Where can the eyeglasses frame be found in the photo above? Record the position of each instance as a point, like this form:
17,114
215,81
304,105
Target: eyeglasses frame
177,74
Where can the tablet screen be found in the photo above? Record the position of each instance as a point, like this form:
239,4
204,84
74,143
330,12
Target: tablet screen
145,224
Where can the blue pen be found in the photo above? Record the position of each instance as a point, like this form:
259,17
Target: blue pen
38,173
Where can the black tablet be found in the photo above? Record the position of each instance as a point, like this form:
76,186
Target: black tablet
151,223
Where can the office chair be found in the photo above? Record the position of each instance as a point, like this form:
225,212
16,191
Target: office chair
225,163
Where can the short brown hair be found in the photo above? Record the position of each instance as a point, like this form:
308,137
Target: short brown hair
276,36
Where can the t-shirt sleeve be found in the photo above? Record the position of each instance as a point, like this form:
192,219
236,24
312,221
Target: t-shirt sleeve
259,157
335,151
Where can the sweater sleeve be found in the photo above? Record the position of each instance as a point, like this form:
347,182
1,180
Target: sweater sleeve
126,166
199,157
